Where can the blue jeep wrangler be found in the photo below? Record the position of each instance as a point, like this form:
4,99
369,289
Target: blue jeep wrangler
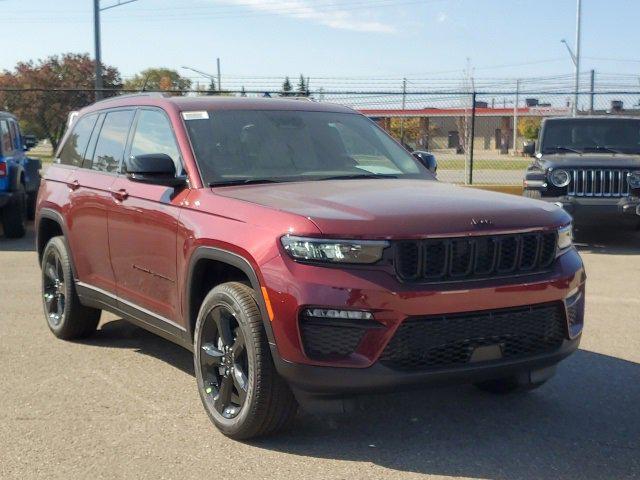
19,177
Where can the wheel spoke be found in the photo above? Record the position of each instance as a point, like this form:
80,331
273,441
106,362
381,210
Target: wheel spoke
48,300
223,398
221,317
240,382
238,344
211,355
50,272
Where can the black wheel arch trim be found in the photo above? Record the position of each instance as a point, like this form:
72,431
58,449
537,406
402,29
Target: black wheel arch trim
51,214
241,263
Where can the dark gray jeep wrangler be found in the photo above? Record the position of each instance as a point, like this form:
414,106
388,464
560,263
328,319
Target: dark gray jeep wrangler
588,165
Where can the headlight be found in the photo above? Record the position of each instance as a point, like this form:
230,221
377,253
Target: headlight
565,237
634,179
559,178
333,251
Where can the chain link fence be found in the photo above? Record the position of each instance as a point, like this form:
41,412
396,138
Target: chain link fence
477,137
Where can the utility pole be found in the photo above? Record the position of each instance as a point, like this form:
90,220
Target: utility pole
219,75
515,116
98,84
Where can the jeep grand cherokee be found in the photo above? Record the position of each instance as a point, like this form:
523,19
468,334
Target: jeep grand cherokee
302,255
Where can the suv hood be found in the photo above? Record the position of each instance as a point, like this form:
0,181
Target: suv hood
589,160
398,208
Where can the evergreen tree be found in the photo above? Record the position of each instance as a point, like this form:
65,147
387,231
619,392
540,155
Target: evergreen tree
303,91
286,88
243,92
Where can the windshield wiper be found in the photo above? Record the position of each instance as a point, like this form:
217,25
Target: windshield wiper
357,176
243,181
561,148
602,148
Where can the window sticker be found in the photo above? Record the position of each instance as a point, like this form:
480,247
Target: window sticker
195,115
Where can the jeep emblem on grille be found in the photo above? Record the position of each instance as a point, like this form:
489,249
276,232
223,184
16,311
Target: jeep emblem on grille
481,222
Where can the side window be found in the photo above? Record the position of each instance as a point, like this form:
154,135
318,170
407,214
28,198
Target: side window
72,151
5,133
111,142
155,135
15,135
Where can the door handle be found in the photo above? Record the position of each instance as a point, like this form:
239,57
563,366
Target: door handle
74,185
120,195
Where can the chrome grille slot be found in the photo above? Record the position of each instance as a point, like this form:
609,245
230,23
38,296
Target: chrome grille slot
598,183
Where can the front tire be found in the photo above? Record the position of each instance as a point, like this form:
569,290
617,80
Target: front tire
66,317
237,381
14,215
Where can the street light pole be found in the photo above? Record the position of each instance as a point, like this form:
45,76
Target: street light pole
577,62
98,84
96,34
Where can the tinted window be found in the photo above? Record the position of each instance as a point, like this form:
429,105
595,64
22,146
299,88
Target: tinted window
72,153
155,135
7,145
294,146
15,135
111,142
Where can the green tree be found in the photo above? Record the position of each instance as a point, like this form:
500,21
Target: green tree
59,84
529,127
303,88
287,88
158,79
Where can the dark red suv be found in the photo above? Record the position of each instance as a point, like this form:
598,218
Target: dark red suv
301,253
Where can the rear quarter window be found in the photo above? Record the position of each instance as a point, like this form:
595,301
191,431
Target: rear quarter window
72,152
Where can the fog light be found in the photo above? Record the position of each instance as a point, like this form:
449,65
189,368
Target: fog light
342,314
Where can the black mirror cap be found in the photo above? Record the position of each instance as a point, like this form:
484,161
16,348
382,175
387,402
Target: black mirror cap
428,160
529,148
154,168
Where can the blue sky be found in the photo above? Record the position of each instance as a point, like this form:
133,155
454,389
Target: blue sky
332,38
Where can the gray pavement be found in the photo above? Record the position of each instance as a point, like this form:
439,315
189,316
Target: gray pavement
123,404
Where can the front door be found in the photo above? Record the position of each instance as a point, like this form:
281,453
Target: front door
143,223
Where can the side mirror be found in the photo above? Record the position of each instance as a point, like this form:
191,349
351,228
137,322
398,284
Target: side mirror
30,141
428,160
154,168
529,148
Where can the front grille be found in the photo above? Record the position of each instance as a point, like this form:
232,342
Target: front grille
466,258
449,341
598,183
322,340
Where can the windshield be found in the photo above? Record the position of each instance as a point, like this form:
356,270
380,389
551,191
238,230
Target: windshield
252,146
606,135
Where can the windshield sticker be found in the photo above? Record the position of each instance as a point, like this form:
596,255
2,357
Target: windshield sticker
195,115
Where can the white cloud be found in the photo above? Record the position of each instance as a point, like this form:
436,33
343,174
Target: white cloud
442,17
330,17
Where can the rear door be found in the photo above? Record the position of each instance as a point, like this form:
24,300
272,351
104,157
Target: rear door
90,195
143,223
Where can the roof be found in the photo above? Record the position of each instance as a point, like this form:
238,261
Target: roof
7,115
206,102
461,112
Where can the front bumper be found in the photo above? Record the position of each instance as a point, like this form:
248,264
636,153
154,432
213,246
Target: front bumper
378,378
595,209
293,286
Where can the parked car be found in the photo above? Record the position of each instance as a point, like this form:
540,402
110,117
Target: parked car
588,165
19,177
301,253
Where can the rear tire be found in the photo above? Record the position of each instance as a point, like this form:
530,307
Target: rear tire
14,215
237,381
66,317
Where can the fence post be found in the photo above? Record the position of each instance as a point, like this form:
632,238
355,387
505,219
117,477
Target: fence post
472,135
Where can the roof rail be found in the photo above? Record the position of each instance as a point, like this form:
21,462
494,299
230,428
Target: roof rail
137,94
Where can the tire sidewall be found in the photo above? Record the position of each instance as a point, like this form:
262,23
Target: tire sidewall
57,246
220,297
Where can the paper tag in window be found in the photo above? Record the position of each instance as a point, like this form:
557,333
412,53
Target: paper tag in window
195,115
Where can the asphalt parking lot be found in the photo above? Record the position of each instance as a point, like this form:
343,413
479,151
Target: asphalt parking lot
123,404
